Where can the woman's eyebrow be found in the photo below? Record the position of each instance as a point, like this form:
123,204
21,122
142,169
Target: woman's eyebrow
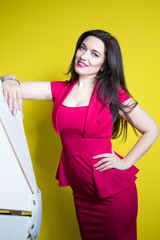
96,51
92,49
83,44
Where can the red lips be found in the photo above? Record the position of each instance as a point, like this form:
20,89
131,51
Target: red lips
82,64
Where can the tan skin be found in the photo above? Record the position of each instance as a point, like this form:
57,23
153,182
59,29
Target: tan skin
89,60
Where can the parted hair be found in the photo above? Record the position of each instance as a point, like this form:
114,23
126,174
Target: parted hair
110,78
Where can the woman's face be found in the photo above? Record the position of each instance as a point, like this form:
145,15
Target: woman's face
90,57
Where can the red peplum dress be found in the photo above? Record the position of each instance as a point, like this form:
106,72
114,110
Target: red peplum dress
105,202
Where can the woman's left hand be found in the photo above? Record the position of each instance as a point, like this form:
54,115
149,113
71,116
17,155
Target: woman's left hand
110,160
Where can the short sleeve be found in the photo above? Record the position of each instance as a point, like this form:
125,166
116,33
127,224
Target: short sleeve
122,95
56,88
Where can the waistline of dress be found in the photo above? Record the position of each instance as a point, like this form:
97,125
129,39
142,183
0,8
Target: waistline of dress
86,146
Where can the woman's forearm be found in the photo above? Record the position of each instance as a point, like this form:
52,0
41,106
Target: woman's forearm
142,146
14,91
111,160
7,77
36,90
30,90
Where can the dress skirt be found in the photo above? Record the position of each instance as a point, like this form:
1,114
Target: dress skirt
112,218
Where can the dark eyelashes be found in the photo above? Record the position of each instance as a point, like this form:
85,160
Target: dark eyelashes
96,55
84,48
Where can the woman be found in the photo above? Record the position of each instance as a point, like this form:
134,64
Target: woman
89,110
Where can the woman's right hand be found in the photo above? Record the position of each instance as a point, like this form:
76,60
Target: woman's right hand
12,93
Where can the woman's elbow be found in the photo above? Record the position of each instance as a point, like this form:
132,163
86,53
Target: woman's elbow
155,130
158,130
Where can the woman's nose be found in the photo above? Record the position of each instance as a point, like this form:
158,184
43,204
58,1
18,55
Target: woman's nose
85,55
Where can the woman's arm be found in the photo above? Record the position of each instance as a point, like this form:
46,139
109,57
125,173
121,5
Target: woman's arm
149,130
146,126
37,90
14,92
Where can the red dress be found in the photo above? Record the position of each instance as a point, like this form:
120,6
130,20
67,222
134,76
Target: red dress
106,202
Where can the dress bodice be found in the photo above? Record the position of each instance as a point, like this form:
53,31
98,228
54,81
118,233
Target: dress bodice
71,120
85,132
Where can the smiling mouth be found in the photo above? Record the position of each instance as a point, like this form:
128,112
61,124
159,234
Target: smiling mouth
82,64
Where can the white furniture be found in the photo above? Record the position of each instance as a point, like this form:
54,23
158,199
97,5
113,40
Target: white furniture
20,199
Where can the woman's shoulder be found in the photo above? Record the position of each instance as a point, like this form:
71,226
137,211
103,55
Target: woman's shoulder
59,83
123,95
57,86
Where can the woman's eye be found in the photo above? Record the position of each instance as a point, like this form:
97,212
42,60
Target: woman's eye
82,48
95,54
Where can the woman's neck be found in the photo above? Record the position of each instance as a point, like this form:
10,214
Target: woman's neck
86,81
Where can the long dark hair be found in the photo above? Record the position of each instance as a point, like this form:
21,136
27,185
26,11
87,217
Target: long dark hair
110,79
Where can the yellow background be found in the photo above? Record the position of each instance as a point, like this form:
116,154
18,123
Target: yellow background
37,41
